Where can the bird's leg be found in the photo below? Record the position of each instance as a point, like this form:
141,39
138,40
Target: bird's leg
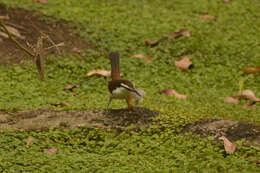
128,103
109,101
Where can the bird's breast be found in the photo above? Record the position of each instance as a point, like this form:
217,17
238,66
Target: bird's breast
120,93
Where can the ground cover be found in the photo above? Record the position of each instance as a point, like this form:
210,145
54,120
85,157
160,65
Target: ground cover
220,48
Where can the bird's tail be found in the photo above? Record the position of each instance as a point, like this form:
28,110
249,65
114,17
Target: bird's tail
115,69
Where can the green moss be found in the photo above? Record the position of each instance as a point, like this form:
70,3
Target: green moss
219,50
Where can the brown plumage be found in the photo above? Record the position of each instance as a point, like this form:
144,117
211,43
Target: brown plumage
115,69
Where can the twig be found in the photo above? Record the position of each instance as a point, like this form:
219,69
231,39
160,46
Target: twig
56,45
52,42
15,41
38,57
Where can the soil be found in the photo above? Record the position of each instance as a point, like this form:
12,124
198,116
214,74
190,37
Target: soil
30,25
233,130
42,119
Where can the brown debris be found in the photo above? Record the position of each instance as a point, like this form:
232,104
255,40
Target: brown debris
252,70
51,151
41,1
172,92
184,63
231,100
230,147
207,16
248,95
151,43
143,56
182,32
99,72
70,87
29,141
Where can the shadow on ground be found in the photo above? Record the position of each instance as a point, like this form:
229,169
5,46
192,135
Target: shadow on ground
43,119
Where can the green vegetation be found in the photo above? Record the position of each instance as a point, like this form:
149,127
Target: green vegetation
219,49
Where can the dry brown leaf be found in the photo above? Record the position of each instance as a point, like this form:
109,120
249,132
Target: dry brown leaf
6,17
230,147
151,43
171,92
15,32
231,100
247,94
99,72
77,50
226,1
29,141
252,70
184,63
65,104
70,87
73,94
148,60
207,16
249,106
143,56
182,32
2,34
41,1
61,104
51,151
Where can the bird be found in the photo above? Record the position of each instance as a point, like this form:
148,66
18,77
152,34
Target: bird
119,88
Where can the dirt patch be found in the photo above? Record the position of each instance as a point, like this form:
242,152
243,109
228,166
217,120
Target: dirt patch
30,25
44,118
233,130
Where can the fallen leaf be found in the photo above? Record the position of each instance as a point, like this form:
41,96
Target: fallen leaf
207,16
143,56
41,1
226,1
6,17
73,94
151,43
149,60
182,32
99,72
65,104
51,151
15,32
252,70
2,34
230,147
70,87
249,106
184,63
231,100
248,95
77,50
61,104
29,141
171,92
